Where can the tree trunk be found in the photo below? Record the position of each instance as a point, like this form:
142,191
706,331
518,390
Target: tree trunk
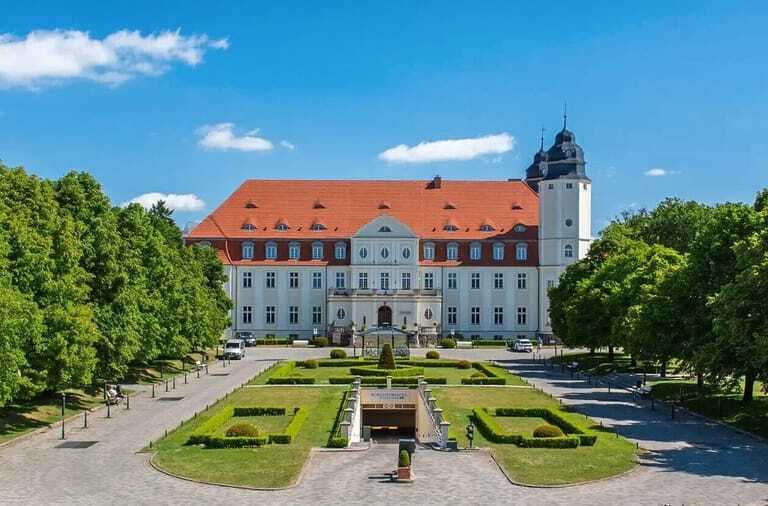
591,351
610,353
749,386
663,372
700,380
632,361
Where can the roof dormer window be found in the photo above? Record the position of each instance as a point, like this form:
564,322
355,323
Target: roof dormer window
449,205
282,225
385,229
250,205
520,228
516,206
248,226
318,205
384,205
451,226
487,226
317,226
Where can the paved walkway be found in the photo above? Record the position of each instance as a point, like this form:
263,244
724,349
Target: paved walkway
692,462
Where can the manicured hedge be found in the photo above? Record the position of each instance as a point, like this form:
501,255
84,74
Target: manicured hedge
553,418
273,342
483,368
338,442
344,362
293,428
488,342
282,369
258,411
483,381
289,380
493,432
235,442
202,433
395,373
429,362
380,380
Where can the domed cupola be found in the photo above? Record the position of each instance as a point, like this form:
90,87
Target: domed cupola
535,171
565,158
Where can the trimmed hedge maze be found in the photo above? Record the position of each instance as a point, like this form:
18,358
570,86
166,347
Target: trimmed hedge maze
209,432
492,431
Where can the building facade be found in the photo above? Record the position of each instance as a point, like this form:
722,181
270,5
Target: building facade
439,257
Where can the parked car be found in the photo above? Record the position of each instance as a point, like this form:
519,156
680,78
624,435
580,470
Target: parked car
522,345
248,337
234,349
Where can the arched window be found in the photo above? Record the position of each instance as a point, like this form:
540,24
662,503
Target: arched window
521,252
340,251
248,250
498,251
317,250
519,228
429,251
486,228
450,227
363,252
568,251
475,251
452,251
341,314
270,250
294,251
282,227
406,253
428,314
317,227
385,253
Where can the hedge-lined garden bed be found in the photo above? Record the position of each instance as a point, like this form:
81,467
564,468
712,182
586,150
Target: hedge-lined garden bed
402,371
493,432
210,434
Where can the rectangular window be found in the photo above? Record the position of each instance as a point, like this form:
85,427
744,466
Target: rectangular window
522,315
498,251
475,315
429,281
384,281
568,186
271,251
498,316
269,315
405,282
362,280
521,252
293,251
475,281
498,280
317,251
247,279
293,280
317,315
341,280
452,283
270,280
247,314
475,251
550,283
341,251
293,315
317,280
452,316
429,251
522,281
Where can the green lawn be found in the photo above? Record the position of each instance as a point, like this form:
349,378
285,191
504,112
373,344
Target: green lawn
536,466
523,425
265,424
716,403
452,374
161,369
265,467
18,419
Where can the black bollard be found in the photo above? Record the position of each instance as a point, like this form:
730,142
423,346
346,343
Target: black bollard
166,385
153,390
63,408
198,373
185,378
128,402
174,382
85,419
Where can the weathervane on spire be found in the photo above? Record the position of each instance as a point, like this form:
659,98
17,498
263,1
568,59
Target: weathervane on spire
541,146
565,114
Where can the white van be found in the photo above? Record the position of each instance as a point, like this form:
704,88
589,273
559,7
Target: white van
234,349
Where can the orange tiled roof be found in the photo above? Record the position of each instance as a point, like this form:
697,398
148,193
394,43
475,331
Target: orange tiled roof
347,205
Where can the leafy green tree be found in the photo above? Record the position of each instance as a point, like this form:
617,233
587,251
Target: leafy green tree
387,359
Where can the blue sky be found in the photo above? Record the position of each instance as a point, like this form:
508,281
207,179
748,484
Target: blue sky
680,87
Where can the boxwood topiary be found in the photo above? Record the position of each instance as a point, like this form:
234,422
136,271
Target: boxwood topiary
243,430
309,364
320,342
387,359
548,430
448,343
405,459
338,353
433,354
463,364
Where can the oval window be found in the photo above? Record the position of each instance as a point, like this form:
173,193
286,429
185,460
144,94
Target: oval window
341,314
384,253
363,252
568,222
406,252
428,314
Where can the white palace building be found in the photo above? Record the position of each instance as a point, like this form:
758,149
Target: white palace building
469,258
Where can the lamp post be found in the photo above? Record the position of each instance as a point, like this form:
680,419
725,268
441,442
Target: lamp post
314,334
63,408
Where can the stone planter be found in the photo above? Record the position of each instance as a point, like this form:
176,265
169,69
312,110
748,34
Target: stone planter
404,473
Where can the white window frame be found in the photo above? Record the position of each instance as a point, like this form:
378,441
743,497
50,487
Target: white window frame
498,280
247,314
341,280
453,281
317,250
293,315
522,315
247,250
429,251
362,281
452,251
270,279
317,315
568,251
453,315
294,250
340,251
384,281
475,315
498,251
474,281
498,315
270,315
317,280
429,281
405,280
270,250
522,281
293,280
247,279
521,251
475,251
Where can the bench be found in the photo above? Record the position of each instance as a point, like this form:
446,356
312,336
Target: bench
644,391
463,344
300,343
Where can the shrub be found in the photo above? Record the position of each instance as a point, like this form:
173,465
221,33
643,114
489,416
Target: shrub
258,411
235,442
478,375
491,430
448,343
309,364
463,364
338,353
292,430
348,362
381,380
400,371
404,459
320,342
386,359
483,381
338,442
243,430
433,354
554,442
483,368
291,380
548,431
488,342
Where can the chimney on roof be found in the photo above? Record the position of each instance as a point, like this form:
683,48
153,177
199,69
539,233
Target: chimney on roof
437,182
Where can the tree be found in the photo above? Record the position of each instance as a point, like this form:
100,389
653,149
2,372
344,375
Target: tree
387,359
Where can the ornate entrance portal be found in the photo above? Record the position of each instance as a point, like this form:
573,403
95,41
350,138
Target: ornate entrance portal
385,316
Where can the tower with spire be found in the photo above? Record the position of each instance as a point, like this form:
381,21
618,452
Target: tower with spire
565,211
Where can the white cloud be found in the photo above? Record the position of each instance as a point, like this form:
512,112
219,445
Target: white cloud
656,172
221,137
451,149
287,145
177,202
46,57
